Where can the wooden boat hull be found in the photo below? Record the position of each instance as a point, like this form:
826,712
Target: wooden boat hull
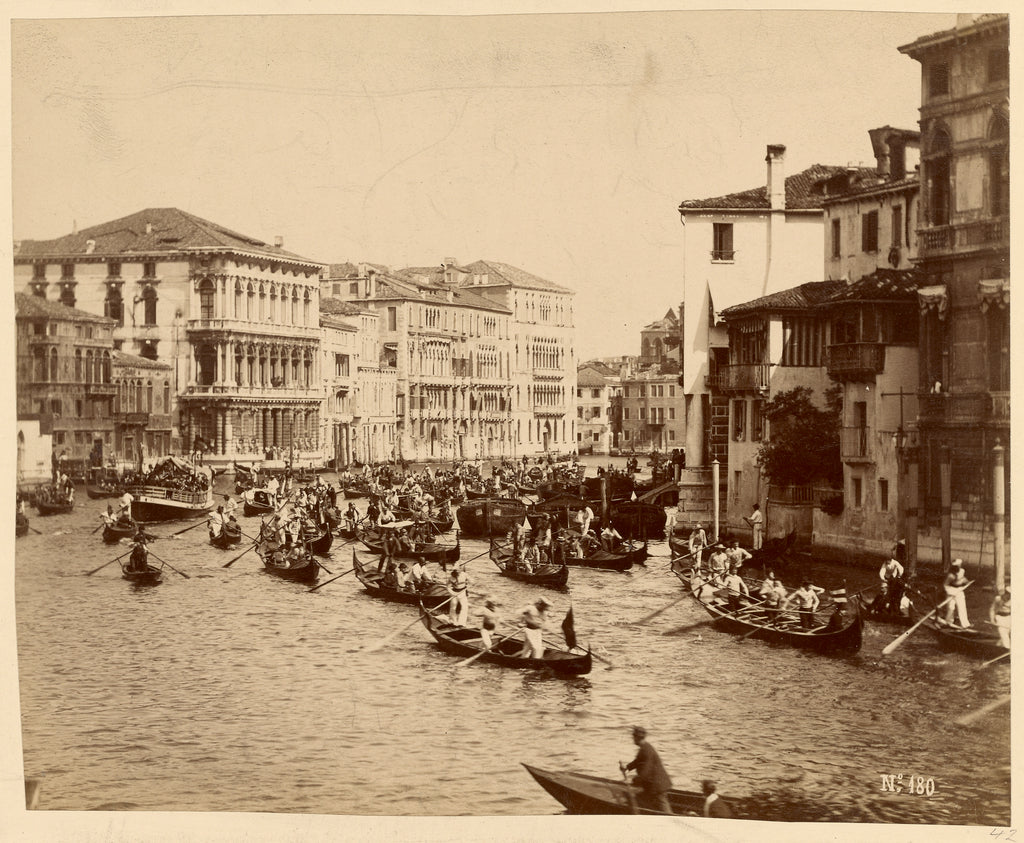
49,508
305,573
21,525
845,640
490,517
96,493
354,492
373,542
465,641
551,576
604,560
112,534
151,576
372,581
583,794
638,520
970,642
322,544
226,539
263,503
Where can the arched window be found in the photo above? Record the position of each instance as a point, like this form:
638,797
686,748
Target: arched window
238,299
249,303
107,373
305,308
999,166
113,305
263,304
39,356
78,365
938,171
54,372
167,397
206,360
149,396
207,295
295,305
149,305
140,405
272,312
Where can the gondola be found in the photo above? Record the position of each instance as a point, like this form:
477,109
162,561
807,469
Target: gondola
230,534
262,503
437,524
322,543
151,576
608,560
373,581
356,490
466,641
373,541
552,576
100,492
583,794
490,517
54,507
972,641
276,562
114,532
846,638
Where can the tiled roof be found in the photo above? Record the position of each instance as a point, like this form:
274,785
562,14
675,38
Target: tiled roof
506,273
588,377
339,307
795,298
349,270
802,192
668,322
35,307
123,358
326,320
169,230
882,285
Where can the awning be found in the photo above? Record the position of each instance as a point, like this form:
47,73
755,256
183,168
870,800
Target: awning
933,298
993,292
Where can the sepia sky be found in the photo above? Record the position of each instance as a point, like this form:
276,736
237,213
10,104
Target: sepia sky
559,143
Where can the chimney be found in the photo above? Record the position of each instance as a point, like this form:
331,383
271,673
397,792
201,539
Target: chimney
90,245
149,228
776,159
449,262
278,241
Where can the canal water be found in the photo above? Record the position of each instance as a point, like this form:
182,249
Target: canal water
235,691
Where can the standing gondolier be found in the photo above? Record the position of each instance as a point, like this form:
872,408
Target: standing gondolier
650,774
458,586
807,598
533,617
756,522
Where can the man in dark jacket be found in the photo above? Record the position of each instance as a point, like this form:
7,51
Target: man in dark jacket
650,774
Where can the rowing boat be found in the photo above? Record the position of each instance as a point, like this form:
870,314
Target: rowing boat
466,641
117,530
150,576
635,520
552,576
262,503
839,635
608,560
583,794
280,563
491,517
373,581
230,534
971,641
373,540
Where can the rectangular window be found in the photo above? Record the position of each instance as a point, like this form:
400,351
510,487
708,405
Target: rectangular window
353,288
114,269
625,413
341,365
938,79
672,413
625,435
756,420
336,289
739,420
579,412
643,392
671,391
883,495
643,413
837,242
869,232
858,492
149,269
723,250
737,476
671,435
39,272
55,406
595,412
595,393
67,271
897,226
392,318
79,408
625,392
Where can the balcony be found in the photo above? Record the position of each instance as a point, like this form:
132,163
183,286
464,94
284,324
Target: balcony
714,382
738,377
963,408
964,237
132,418
856,360
853,445
728,255
274,393
251,327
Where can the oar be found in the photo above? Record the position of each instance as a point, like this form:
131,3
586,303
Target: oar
475,656
997,658
974,716
657,612
688,627
372,648
321,585
169,565
94,532
104,565
198,523
240,555
902,637
629,789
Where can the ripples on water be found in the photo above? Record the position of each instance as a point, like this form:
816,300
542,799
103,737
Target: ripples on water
235,691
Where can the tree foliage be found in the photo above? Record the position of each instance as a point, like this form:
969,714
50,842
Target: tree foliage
803,442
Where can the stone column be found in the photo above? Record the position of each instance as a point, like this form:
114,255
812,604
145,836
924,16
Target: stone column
946,497
910,519
275,421
998,516
229,431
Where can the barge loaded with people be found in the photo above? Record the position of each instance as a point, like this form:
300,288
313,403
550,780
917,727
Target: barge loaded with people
174,488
